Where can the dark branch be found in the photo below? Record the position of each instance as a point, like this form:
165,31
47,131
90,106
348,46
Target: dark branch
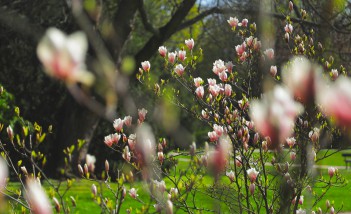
147,25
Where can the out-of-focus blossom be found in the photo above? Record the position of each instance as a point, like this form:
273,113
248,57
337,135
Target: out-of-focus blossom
290,141
182,55
257,44
230,175
240,49
200,92
273,71
269,53
291,6
227,90
133,193
179,69
300,211
249,41
332,210
274,116
63,56
211,82
314,134
218,67
169,207
331,171
172,57
162,50
90,161
193,149
252,174
3,173
220,157
142,114
37,199
233,22
300,77
131,141
146,66
118,124
190,43
57,205
127,120
335,101
107,166
292,156
288,28
111,139
198,81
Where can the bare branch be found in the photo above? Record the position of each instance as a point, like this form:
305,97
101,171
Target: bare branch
147,25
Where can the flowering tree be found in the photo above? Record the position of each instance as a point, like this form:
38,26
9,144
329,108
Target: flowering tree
261,148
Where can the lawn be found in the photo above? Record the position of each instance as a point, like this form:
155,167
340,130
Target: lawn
85,203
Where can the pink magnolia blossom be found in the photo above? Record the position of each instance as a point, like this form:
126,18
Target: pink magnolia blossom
229,66
198,81
244,23
252,174
227,90
37,199
133,193
169,207
230,175
288,28
223,76
111,139
200,92
146,66
127,120
218,129
300,77
162,51
249,41
233,22
218,67
240,49
142,114
118,124
211,82
182,55
213,136
335,101
269,53
314,134
275,115
257,44
332,210
331,171
63,56
172,57
214,90
220,157
179,69
189,43
291,141
204,114
273,71
126,154
292,156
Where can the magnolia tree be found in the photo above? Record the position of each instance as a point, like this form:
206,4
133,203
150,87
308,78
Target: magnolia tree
261,150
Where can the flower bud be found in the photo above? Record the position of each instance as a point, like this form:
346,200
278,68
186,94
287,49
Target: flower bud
193,149
107,166
86,169
24,170
327,203
252,188
291,6
57,204
94,190
10,133
74,203
80,170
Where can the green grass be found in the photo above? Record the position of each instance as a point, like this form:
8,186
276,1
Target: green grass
85,203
